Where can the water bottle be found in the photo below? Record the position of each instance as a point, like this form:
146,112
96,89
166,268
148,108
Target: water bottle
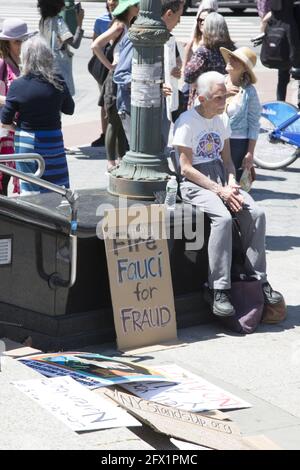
246,180
68,13
171,193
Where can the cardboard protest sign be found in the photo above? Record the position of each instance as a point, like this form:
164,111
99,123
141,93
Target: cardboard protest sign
74,405
191,392
140,276
185,425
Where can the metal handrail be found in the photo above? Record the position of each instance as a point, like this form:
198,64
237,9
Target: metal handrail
71,196
22,157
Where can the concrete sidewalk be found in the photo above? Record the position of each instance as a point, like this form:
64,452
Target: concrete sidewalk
262,368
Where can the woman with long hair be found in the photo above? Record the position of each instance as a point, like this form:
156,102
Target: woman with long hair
208,56
115,138
59,37
197,37
242,106
14,31
101,25
33,108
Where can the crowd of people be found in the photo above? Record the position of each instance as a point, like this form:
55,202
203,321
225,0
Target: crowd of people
210,48
216,120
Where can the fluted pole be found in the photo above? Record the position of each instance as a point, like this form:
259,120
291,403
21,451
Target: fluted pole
144,168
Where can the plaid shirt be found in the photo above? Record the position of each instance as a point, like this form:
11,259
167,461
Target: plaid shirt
263,7
203,60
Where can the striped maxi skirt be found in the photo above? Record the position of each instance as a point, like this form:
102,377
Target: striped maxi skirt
50,145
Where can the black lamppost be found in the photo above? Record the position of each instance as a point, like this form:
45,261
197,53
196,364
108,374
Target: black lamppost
144,168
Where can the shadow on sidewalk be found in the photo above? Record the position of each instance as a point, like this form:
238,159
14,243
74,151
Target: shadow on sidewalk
269,178
282,243
261,194
89,153
292,170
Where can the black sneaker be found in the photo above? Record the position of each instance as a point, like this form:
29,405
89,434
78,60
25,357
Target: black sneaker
271,296
219,302
100,142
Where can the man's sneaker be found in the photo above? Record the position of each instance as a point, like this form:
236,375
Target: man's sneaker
271,296
219,302
99,142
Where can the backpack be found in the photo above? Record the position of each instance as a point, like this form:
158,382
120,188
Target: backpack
95,66
275,49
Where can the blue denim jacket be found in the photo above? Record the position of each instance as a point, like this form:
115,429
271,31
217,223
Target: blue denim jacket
246,120
122,75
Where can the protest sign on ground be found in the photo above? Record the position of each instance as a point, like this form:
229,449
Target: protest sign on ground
191,392
140,276
94,369
78,408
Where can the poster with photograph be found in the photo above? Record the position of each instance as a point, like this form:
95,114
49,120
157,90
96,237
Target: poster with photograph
102,370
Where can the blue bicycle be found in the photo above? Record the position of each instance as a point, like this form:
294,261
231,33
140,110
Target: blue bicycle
278,143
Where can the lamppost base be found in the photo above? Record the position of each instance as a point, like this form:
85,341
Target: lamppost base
135,189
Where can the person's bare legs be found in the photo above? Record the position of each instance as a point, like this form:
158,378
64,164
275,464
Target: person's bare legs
103,121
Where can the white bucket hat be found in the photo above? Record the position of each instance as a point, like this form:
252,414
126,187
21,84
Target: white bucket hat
15,29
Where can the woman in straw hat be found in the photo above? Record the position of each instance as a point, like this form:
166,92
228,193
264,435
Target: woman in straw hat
242,106
14,31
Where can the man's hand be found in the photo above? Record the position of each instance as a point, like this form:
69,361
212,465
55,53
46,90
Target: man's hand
232,182
176,72
232,90
7,127
232,198
167,91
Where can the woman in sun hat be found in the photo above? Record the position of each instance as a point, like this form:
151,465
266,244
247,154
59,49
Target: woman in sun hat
242,106
115,138
14,32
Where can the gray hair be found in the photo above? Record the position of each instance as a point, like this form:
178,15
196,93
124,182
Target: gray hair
37,58
215,32
207,80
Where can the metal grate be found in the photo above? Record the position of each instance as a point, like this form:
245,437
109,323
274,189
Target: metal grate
5,251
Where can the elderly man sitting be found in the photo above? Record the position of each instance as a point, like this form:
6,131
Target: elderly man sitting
202,138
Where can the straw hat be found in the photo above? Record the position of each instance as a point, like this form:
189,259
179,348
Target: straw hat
246,55
15,29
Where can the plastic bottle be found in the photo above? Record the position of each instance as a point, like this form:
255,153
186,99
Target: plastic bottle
171,193
68,13
65,209
246,180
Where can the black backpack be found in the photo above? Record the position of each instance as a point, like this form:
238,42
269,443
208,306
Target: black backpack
275,49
